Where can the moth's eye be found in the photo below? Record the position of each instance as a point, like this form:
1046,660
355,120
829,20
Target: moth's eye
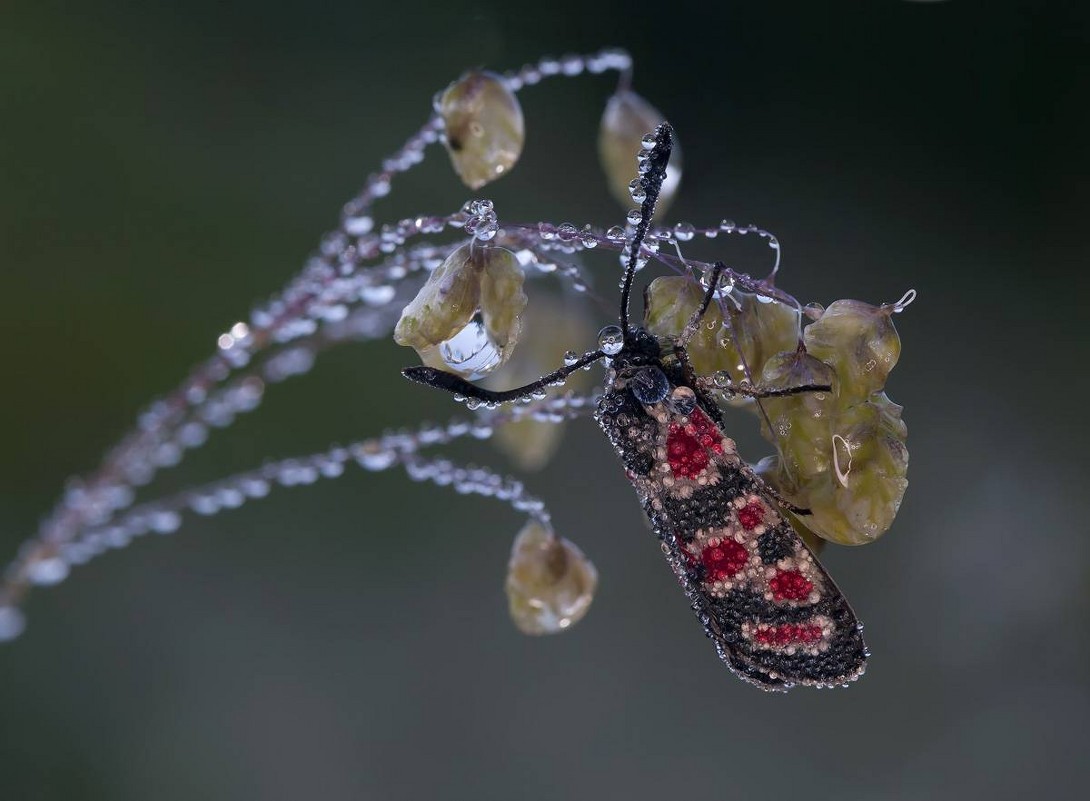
649,385
683,400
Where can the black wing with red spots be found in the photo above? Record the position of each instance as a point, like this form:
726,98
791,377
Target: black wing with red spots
775,616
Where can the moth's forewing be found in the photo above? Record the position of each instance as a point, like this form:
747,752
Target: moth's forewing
775,616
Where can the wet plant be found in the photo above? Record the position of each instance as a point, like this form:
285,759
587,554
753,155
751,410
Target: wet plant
452,288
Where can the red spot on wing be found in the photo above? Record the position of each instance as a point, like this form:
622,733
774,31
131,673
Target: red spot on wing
687,445
789,634
790,585
723,560
751,515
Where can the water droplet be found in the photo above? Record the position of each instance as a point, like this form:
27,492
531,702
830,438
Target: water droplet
570,358
12,623
649,385
648,141
471,352
615,234
726,284
683,400
684,231
372,456
637,191
611,340
46,572
164,522
358,226
634,216
727,226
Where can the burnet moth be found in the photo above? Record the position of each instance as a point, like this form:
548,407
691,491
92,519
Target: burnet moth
775,616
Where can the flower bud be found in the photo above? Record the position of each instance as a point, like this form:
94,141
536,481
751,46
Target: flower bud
483,127
467,316
550,583
626,120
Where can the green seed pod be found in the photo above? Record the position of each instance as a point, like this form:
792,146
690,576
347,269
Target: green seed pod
550,583
467,316
801,424
860,342
483,127
762,329
626,120
848,471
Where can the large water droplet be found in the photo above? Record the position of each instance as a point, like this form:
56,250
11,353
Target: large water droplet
471,352
611,340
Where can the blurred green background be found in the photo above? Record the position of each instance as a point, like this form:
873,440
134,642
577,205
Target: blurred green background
164,165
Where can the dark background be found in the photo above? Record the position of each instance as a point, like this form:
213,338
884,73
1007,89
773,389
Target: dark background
164,165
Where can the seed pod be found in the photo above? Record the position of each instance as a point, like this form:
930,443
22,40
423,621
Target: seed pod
761,329
550,583
860,342
626,120
467,316
483,127
848,470
801,424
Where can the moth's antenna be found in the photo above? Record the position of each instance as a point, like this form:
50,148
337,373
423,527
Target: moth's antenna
652,173
456,385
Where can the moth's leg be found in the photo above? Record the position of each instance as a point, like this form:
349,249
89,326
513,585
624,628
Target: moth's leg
682,356
708,385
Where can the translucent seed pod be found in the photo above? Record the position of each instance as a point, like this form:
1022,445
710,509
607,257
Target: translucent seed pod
625,122
550,583
483,127
849,471
860,342
762,330
800,426
467,316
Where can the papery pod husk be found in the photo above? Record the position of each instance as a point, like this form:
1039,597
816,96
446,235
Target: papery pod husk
550,583
860,342
625,121
502,298
530,444
444,305
763,329
474,278
484,128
